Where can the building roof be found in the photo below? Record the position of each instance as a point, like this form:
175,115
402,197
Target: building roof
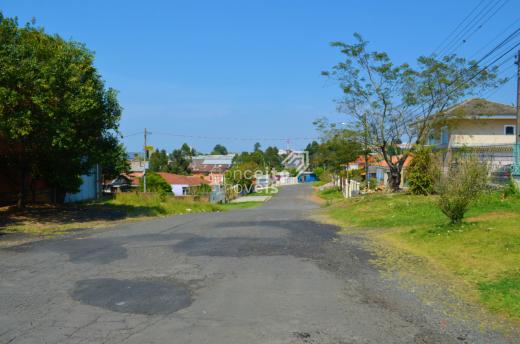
211,163
177,179
478,108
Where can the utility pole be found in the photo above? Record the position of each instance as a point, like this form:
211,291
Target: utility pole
517,128
365,139
145,159
516,148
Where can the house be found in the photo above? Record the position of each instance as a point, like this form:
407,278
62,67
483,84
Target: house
211,167
377,167
479,125
124,182
183,185
90,188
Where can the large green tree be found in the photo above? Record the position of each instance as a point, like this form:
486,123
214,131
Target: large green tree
57,118
159,161
219,150
390,103
180,159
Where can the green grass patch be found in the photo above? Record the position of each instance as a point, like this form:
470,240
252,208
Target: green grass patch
319,183
331,194
477,253
503,293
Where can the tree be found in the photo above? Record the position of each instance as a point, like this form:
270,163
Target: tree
391,103
115,162
256,147
181,159
57,119
337,147
272,158
155,183
242,176
219,150
159,161
421,173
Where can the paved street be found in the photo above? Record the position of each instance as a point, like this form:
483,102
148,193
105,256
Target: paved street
264,275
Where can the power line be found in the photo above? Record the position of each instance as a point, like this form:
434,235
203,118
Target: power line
452,45
458,26
486,20
229,138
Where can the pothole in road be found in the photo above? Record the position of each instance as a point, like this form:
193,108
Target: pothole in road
146,296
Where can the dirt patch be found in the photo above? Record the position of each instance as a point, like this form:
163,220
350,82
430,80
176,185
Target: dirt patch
149,297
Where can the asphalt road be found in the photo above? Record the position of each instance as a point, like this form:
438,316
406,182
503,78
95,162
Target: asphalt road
264,275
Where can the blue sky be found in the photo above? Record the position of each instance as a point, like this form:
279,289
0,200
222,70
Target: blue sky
244,68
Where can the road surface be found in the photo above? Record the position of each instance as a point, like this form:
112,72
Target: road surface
264,275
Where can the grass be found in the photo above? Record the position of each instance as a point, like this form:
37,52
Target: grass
50,220
319,183
331,194
263,192
480,255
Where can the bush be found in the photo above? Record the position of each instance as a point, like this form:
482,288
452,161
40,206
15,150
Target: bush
466,179
155,183
420,174
511,188
318,171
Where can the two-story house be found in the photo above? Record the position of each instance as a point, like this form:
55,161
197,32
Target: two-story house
479,125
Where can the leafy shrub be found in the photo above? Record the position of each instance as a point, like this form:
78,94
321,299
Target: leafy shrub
420,174
464,182
318,171
511,188
372,183
155,183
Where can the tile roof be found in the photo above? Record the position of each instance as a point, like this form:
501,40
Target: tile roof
177,179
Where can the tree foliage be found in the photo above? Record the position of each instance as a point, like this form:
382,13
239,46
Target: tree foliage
159,161
421,173
56,116
391,103
219,150
337,147
155,183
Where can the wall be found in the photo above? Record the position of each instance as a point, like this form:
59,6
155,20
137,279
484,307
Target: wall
89,189
177,189
481,132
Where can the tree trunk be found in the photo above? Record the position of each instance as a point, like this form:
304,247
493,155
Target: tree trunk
21,193
394,180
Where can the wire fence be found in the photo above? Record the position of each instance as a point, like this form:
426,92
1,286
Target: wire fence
500,160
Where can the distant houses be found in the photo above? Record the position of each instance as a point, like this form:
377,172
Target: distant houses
183,185
211,167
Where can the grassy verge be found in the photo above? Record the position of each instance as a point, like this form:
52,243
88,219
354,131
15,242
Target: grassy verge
47,220
480,256
319,183
331,194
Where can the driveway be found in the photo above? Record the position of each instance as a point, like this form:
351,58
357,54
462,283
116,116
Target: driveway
264,275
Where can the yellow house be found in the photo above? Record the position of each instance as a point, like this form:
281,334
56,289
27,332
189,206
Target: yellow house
485,127
476,123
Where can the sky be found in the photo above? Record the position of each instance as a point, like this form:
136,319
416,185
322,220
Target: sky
236,72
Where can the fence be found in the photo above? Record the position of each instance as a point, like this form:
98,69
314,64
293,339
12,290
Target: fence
499,159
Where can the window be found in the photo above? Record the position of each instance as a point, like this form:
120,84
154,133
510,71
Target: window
445,137
509,130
